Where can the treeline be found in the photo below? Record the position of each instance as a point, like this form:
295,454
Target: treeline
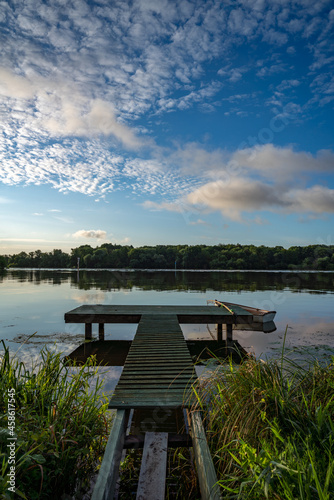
229,257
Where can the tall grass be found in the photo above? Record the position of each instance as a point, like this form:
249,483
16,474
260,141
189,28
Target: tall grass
61,425
270,429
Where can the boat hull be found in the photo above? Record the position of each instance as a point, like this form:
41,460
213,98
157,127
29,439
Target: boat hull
259,315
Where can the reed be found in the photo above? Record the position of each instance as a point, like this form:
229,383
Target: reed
270,429
61,425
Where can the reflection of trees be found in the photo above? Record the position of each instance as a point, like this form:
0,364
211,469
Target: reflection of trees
233,281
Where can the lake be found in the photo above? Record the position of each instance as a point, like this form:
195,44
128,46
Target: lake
36,300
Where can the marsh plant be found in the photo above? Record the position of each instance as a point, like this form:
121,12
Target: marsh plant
270,429
61,426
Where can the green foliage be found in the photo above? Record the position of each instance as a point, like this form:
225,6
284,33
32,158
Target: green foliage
60,425
270,428
229,257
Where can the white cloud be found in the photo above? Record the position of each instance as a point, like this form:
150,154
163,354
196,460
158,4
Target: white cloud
316,200
171,207
15,86
235,196
62,110
236,188
198,222
91,233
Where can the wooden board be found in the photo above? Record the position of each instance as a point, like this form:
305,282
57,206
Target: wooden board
158,371
152,478
109,470
205,469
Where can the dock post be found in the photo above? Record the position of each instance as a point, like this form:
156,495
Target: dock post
219,331
101,331
88,331
229,337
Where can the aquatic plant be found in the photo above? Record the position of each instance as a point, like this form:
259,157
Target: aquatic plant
60,425
270,428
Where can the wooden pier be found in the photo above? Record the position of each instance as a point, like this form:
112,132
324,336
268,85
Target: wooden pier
101,314
158,375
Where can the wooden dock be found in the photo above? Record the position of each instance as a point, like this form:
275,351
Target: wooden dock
158,369
158,374
101,314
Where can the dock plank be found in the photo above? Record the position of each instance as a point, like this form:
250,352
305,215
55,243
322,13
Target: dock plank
152,477
156,374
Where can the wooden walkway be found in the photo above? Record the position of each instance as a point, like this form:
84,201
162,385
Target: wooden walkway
158,374
158,369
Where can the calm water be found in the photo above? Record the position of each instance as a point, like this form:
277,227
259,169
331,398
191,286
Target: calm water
35,301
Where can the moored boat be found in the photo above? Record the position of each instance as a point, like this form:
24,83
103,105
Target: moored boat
259,315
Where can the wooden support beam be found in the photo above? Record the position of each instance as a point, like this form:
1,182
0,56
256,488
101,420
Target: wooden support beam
108,474
88,331
152,478
229,330
101,331
205,469
219,331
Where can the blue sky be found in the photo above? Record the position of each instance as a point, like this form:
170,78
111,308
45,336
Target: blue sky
166,122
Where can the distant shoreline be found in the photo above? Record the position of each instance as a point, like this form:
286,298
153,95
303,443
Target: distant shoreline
132,270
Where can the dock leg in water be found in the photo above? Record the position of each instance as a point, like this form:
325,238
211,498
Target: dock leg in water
219,331
101,331
229,336
88,331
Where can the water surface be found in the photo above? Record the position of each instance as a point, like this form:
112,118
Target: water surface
36,300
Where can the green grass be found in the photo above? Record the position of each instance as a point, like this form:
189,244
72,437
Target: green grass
270,429
61,426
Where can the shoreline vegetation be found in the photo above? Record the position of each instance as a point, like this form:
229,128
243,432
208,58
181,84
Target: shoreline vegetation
57,422
269,426
217,257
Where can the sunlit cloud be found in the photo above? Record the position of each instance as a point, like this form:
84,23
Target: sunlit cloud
91,233
237,190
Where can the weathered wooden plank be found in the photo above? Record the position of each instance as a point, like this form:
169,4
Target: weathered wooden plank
152,477
174,441
108,473
205,469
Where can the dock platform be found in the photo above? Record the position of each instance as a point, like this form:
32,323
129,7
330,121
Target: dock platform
101,314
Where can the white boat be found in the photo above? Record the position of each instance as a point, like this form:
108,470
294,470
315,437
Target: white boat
259,315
